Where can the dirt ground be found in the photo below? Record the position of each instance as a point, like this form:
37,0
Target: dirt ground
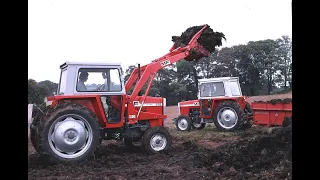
256,153
205,154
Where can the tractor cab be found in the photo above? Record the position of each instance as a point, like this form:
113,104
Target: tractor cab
219,87
91,78
101,81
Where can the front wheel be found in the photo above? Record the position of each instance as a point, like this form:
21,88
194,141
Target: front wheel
156,139
183,123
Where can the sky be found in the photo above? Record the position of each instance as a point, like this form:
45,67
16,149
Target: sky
139,31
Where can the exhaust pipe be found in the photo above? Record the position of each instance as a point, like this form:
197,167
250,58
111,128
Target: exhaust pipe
139,76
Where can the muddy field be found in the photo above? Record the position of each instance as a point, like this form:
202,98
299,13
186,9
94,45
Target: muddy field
257,153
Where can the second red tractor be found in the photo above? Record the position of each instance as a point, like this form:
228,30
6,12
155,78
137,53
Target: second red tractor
220,101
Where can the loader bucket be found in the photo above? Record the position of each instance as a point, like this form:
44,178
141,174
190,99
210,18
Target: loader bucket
197,52
201,40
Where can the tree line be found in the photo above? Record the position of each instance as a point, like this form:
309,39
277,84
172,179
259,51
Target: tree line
263,67
37,91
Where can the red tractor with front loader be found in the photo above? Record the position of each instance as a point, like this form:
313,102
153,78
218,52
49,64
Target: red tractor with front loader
220,101
92,104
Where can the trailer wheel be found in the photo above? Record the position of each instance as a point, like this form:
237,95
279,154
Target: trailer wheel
198,126
183,123
228,116
68,132
156,139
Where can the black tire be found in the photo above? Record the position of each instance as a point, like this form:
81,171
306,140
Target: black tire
247,123
287,121
202,125
37,115
148,135
33,135
66,110
186,123
248,108
233,106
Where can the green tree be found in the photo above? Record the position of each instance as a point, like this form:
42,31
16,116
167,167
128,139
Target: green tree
205,66
38,91
49,87
265,55
128,72
34,94
225,63
285,57
249,75
187,75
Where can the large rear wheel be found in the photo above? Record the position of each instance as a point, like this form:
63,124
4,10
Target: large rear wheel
68,132
228,116
37,115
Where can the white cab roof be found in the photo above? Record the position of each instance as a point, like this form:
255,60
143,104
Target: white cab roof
91,63
217,79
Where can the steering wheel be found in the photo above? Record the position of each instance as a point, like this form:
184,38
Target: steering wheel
100,88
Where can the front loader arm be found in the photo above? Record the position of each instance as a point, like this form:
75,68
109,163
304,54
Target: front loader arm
191,51
153,68
173,56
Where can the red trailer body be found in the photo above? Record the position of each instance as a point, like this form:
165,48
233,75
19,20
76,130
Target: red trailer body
270,114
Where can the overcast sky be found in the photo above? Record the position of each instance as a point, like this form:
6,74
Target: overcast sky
139,31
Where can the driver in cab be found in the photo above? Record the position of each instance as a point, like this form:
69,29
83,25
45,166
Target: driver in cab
82,78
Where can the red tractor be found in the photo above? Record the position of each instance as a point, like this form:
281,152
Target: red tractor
220,101
92,105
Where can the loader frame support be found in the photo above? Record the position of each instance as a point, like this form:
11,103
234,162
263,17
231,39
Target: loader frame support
149,71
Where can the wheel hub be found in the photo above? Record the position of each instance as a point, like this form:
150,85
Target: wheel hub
70,136
227,118
183,124
158,142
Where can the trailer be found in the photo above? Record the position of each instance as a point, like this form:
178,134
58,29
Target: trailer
271,113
